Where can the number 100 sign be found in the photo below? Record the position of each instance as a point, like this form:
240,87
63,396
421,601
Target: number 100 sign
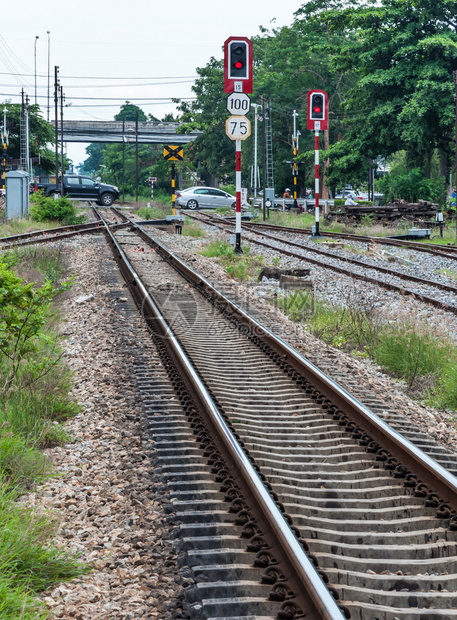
238,127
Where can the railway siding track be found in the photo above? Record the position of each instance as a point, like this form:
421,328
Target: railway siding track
447,251
51,234
394,284
315,457
313,599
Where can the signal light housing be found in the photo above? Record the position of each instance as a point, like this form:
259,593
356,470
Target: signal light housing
238,65
317,109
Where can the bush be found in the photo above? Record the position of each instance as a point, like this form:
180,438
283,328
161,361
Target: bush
44,209
411,185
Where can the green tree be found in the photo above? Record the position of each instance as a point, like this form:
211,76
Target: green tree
288,62
40,131
128,112
404,53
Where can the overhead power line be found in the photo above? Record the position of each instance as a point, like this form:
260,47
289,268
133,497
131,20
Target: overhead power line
92,77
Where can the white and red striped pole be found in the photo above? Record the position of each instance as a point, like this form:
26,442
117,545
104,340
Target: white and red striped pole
238,249
316,177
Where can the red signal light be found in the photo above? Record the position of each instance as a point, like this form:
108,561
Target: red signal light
317,109
238,65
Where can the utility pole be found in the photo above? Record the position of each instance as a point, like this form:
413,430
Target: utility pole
4,148
264,154
56,101
27,137
295,159
49,66
455,98
61,141
256,107
136,156
123,160
34,54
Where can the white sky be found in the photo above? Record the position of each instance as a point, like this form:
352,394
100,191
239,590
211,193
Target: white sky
121,40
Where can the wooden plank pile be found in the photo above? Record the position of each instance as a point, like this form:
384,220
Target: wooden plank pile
395,210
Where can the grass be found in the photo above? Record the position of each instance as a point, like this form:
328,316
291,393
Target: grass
238,266
449,273
366,227
18,227
406,350
39,260
192,229
32,410
153,212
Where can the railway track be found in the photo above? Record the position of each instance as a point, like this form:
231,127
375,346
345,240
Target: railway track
427,291
374,513
447,251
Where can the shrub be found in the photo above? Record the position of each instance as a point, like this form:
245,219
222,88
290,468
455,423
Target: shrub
22,317
44,209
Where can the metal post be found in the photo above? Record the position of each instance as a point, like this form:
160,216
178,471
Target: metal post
256,107
56,98
27,139
123,160
316,176
455,98
238,249
264,168
34,54
61,142
136,156
4,149
295,171
173,183
49,66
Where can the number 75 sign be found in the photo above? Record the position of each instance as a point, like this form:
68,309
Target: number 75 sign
238,127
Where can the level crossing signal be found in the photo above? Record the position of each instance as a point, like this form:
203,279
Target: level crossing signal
317,109
238,65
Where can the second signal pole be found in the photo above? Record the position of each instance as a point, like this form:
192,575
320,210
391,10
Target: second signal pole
317,120
237,83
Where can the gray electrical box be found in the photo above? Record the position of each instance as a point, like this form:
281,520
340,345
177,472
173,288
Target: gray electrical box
17,194
270,195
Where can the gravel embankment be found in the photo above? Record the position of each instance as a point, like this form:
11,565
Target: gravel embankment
105,496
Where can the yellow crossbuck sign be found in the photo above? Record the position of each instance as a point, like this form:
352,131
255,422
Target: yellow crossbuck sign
173,153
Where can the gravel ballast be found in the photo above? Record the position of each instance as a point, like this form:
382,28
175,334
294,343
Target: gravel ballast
106,497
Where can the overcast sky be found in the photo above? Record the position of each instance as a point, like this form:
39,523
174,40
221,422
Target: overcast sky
148,50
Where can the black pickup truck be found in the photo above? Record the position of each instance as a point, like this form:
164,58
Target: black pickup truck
84,188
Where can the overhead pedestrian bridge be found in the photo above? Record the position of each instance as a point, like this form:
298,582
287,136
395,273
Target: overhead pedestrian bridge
151,132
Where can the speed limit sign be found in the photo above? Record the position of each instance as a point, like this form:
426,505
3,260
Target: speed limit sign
238,127
238,104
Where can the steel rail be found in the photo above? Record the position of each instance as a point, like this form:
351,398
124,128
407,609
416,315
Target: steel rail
354,261
58,237
310,591
427,469
442,305
60,229
437,249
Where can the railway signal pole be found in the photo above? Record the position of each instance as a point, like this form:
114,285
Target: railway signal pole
237,83
295,168
455,98
317,120
56,103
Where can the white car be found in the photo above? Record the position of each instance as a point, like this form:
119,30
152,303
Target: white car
204,198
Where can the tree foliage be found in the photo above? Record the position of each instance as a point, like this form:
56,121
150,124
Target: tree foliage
40,131
387,67
403,54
